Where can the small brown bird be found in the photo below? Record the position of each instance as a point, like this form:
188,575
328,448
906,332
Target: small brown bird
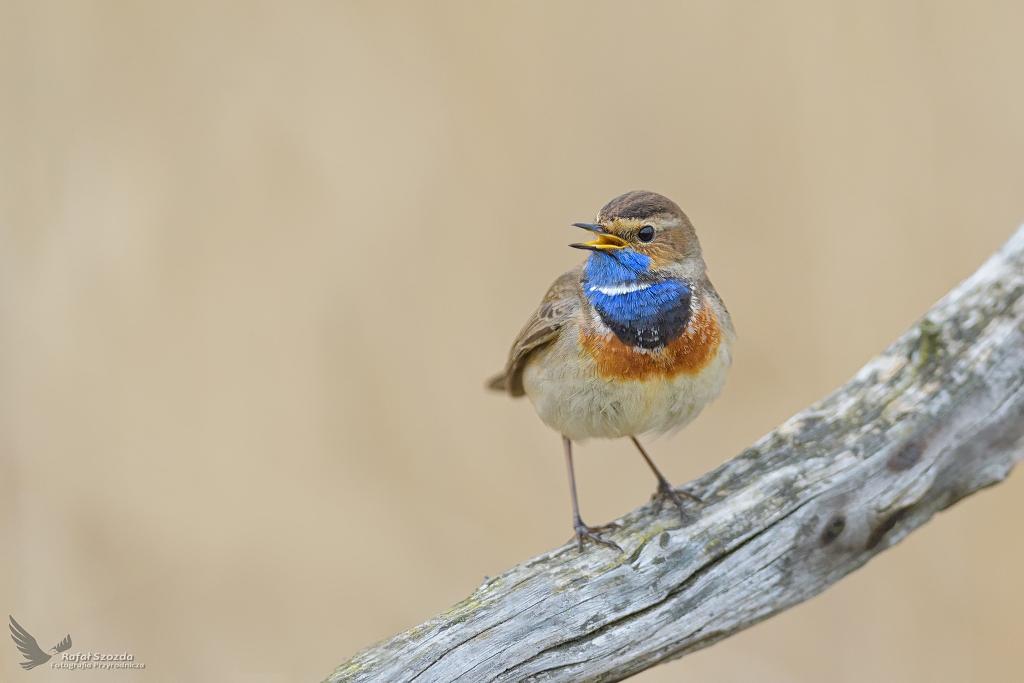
633,341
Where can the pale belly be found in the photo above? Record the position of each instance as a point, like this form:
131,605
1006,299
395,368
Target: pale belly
569,395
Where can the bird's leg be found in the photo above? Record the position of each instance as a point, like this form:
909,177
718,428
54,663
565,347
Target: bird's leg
665,489
582,530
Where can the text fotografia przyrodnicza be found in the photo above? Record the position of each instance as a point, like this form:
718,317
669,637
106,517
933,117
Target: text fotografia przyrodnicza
97,660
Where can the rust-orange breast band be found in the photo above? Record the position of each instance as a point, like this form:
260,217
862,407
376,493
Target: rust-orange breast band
688,354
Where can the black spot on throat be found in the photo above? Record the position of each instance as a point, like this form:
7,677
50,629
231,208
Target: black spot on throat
653,331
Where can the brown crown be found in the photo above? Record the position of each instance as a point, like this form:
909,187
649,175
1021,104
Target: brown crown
638,204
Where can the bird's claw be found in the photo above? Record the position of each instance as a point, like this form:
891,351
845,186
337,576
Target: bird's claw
664,491
584,532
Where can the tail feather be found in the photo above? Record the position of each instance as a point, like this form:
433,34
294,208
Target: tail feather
64,644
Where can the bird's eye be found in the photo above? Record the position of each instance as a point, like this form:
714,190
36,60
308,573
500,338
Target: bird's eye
646,233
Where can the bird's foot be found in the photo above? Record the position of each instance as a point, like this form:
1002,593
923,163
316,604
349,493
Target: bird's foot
666,492
584,532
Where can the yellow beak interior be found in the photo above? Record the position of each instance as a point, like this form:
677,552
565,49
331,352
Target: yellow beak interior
605,242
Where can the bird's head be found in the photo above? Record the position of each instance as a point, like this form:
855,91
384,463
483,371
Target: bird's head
643,233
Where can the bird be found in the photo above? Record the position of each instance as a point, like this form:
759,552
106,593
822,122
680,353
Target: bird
633,341
30,648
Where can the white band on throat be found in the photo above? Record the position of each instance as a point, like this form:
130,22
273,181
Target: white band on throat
615,290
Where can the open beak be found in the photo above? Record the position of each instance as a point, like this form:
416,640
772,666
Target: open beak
605,240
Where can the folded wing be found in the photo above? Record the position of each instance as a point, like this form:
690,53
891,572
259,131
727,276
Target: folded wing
559,304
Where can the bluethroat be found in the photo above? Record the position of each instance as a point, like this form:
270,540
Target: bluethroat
633,341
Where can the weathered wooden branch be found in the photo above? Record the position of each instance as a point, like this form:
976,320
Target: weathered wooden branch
936,417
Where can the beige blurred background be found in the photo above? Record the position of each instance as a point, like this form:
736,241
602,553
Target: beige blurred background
256,261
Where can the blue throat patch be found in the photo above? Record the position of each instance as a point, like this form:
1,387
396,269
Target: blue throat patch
639,307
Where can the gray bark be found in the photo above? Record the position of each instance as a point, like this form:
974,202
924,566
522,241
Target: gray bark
933,419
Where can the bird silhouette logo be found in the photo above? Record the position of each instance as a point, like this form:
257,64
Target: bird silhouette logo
30,648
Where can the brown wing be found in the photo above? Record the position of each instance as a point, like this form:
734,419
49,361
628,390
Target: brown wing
557,307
